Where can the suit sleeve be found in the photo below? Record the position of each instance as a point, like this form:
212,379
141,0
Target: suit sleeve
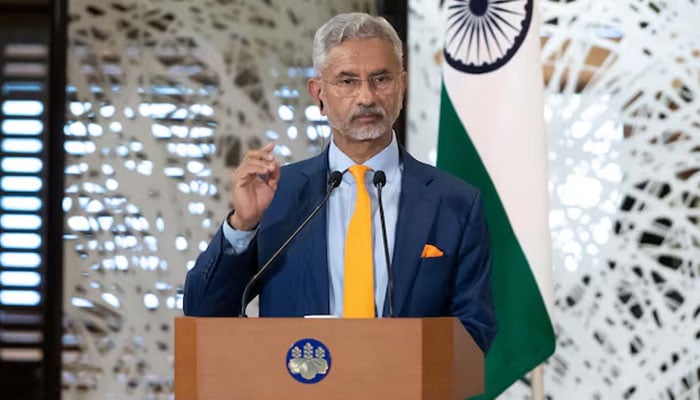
472,300
214,286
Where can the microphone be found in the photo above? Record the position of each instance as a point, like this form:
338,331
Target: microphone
379,181
333,182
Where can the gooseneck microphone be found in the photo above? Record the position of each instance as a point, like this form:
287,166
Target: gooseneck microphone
379,181
333,181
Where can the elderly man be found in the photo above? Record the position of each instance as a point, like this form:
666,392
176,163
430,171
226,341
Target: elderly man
440,254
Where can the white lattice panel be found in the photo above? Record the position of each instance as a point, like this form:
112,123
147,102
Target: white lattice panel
625,154
624,144
164,97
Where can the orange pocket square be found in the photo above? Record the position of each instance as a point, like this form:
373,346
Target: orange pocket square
430,251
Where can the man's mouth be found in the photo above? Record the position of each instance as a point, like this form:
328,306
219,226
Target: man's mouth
367,117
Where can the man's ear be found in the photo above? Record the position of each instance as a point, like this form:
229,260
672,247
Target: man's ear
316,93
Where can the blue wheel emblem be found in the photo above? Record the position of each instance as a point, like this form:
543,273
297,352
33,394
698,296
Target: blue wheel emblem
308,361
483,35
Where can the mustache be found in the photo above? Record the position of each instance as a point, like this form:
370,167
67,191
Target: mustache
371,111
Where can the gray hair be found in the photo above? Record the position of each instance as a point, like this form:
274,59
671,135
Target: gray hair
353,26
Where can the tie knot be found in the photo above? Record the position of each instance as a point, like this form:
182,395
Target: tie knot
358,172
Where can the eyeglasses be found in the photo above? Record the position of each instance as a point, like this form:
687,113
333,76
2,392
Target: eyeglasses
351,86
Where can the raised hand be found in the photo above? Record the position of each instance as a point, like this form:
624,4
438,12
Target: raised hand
254,183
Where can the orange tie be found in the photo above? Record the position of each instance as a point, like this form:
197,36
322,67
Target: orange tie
358,290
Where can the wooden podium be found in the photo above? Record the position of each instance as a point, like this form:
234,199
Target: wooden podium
398,358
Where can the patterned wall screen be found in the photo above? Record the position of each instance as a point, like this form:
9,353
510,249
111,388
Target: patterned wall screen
164,96
623,115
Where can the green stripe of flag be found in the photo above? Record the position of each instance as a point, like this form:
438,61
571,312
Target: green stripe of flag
525,337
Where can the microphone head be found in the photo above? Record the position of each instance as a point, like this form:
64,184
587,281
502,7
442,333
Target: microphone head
379,179
334,179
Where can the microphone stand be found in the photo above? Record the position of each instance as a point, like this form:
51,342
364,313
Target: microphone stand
379,181
333,181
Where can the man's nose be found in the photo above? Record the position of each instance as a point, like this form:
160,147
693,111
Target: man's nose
366,95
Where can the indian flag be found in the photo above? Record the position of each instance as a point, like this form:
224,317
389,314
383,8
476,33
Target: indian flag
492,134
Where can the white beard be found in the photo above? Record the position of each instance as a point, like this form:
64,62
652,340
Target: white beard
362,133
367,132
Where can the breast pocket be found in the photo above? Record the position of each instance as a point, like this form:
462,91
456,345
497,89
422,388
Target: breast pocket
433,285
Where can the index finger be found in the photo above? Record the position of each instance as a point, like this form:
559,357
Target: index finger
263,153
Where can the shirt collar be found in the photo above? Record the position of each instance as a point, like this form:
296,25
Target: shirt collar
386,160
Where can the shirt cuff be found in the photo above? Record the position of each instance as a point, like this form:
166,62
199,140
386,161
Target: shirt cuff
239,240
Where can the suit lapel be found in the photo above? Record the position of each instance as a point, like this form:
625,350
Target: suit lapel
417,208
315,278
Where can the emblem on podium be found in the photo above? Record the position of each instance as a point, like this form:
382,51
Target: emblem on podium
308,361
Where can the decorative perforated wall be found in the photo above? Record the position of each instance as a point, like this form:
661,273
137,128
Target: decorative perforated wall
623,115
164,96
625,179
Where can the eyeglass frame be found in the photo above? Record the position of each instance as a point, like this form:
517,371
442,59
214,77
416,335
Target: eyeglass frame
336,83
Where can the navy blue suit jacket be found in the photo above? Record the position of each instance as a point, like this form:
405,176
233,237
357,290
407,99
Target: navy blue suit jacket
434,208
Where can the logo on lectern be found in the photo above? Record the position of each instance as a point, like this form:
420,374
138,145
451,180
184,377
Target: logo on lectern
308,361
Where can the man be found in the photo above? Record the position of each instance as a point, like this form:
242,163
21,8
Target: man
441,254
